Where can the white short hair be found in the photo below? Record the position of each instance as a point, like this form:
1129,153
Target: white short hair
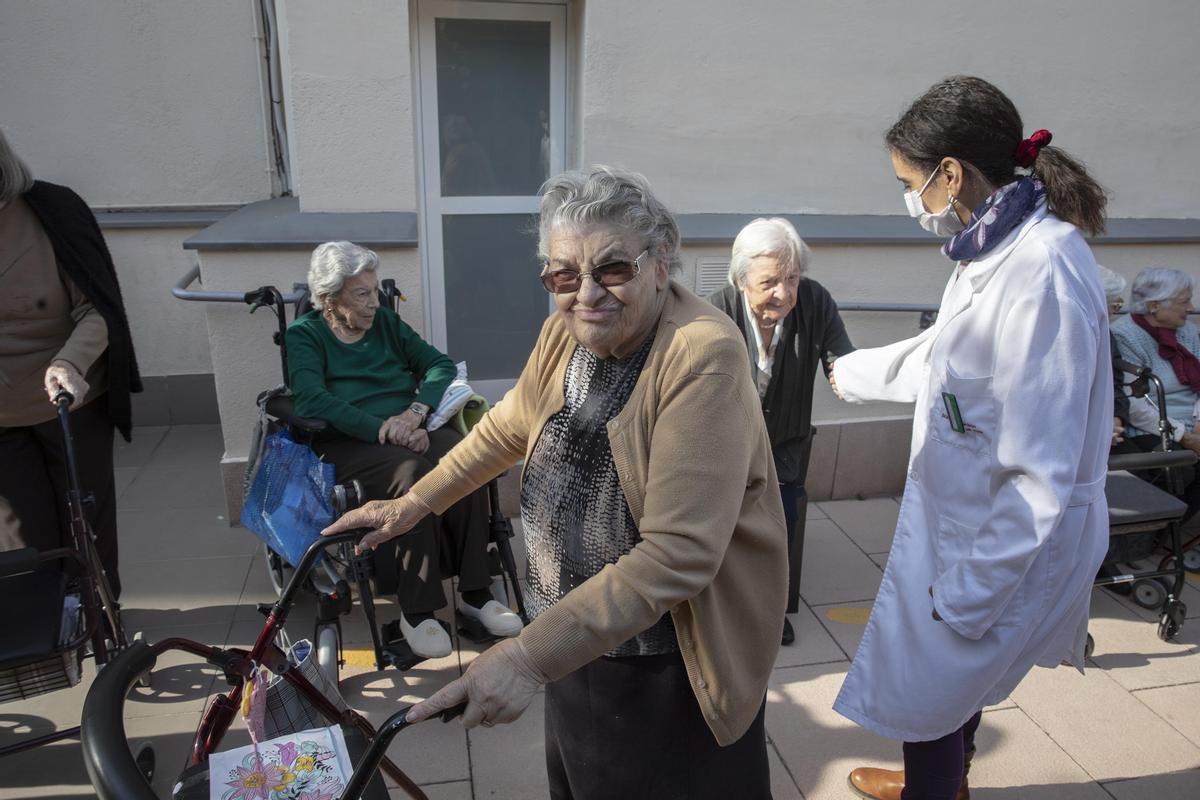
1156,285
609,195
15,177
1114,284
332,263
775,237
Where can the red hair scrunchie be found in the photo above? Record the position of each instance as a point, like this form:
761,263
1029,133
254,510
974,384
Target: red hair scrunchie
1028,149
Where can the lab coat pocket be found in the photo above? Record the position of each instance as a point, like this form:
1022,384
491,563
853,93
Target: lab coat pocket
952,543
963,413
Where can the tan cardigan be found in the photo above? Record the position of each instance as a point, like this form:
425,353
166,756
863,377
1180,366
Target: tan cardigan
694,461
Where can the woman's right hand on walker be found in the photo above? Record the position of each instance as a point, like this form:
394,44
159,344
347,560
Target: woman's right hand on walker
387,519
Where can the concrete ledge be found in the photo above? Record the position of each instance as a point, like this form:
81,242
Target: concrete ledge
279,224
161,217
851,459
863,229
177,400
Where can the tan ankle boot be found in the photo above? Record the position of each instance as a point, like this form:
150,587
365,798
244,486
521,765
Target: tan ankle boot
887,784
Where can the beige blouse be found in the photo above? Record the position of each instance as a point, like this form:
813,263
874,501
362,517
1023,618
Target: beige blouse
43,317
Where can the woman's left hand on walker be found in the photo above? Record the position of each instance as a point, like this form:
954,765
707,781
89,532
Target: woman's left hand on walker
387,519
497,687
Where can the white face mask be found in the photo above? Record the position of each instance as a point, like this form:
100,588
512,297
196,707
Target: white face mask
945,223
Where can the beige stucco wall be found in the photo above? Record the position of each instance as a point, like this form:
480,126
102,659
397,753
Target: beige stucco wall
770,106
349,85
136,103
169,336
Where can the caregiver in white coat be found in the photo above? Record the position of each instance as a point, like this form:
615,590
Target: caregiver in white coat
1003,523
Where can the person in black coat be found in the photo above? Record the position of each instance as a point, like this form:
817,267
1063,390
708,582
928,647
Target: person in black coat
790,324
62,327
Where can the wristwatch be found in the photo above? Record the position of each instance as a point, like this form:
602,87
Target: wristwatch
421,410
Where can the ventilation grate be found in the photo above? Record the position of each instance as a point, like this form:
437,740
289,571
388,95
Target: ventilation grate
712,274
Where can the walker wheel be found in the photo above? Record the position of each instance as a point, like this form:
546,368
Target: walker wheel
1171,620
1149,594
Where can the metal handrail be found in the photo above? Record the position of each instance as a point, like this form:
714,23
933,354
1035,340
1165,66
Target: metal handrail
916,308
181,291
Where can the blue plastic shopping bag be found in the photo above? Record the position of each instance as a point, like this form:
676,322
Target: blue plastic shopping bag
289,499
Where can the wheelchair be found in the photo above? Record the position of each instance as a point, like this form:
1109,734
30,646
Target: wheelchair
1144,520
61,610
113,769
371,573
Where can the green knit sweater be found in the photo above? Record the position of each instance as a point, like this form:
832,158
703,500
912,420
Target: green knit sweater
355,387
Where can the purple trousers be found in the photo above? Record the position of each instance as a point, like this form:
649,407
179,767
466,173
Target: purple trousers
934,770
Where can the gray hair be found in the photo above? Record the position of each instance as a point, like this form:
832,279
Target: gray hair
774,237
607,195
1155,285
332,263
1114,284
15,177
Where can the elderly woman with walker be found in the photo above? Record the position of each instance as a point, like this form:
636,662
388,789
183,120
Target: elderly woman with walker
1003,523
651,514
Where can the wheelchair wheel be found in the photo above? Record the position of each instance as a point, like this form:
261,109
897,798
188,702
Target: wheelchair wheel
277,570
1149,594
145,759
1089,647
328,644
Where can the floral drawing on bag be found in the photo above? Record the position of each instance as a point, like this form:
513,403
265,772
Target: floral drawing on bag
297,769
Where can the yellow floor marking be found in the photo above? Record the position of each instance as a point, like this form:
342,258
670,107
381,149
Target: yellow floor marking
848,615
359,658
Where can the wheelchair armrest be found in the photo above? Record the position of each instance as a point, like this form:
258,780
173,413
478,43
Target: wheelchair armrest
17,562
283,408
1155,460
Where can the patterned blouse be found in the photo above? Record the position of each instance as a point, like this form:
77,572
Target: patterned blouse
574,514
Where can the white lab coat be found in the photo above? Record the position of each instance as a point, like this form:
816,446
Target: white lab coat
1006,520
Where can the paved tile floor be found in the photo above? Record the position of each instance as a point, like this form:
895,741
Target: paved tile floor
1129,729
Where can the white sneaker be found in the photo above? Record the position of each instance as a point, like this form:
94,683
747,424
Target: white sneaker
498,619
428,640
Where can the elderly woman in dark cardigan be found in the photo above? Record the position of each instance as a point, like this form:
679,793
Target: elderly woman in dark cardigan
790,324
62,326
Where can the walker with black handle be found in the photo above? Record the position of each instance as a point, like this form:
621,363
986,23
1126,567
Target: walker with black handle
111,767
26,670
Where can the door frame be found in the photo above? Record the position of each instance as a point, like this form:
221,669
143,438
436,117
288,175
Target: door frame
431,205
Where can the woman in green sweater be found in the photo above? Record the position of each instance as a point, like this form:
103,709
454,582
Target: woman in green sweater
359,367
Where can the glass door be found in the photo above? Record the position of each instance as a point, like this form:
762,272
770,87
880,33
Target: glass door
493,121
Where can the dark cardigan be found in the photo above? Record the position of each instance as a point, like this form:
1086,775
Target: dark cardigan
812,333
83,256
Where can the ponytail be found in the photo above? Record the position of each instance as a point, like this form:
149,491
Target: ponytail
970,119
1072,194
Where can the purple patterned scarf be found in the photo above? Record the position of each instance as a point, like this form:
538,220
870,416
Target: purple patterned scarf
1000,212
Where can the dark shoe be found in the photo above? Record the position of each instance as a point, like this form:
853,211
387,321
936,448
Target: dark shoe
887,784
789,635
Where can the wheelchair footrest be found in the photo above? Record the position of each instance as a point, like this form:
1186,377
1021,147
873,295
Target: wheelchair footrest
473,630
395,650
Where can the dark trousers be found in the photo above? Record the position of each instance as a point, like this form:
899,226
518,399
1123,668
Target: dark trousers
453,544
934,770
33,479
626,728
794,498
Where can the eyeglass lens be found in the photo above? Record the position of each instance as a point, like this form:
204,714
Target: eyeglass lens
563,281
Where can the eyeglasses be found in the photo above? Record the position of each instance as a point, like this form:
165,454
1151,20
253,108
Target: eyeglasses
614,273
